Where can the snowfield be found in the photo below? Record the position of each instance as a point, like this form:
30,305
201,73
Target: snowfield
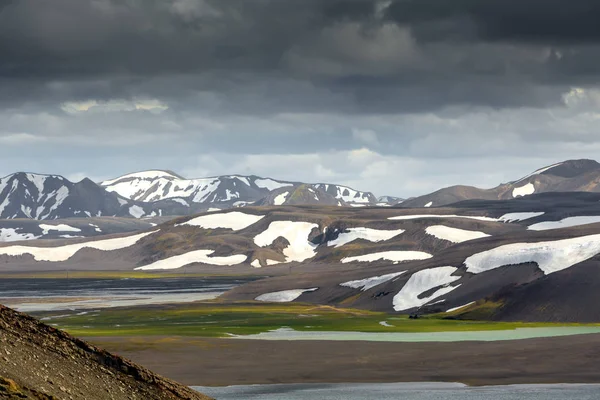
63,253
234,220
564,223
256,263
424,281
372,235
136,211
284,296
271,184
368,283
60,227
296,233
397,256
281,198
196,256
423,216
520,216
428,204
454,235
11,235
524,190
552,256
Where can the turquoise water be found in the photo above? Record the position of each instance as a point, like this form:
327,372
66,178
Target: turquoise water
513,334
403,391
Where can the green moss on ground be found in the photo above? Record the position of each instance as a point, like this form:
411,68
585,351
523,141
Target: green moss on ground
214,319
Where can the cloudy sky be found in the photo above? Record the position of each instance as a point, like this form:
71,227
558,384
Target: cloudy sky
398,97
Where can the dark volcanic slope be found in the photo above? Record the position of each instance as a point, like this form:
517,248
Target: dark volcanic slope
38,360
568,176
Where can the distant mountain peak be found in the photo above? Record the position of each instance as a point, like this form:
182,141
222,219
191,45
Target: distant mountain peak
567,176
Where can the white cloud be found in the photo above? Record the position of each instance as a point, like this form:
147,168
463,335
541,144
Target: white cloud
151,105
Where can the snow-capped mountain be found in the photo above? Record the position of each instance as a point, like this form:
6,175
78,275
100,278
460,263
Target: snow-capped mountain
229,190
156,194
50,197
47,197
567,176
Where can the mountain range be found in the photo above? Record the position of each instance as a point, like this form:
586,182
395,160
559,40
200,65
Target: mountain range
152,197
157,193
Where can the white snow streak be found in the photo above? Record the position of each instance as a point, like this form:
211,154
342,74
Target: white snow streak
283,296
234,220
372,235
459,307
368,283
424,281
60,227
564,223
396,256
552,256
270,184
454,235
423,216
192,257
520,216
63,253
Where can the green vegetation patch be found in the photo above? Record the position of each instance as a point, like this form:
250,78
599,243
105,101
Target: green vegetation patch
213,319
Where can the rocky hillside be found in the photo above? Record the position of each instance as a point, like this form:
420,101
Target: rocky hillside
567,176
41,362
540,247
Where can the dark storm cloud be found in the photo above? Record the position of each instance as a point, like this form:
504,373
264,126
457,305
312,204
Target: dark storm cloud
270,56
518,21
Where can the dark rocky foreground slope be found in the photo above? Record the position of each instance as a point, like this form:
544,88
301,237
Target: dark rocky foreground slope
41,362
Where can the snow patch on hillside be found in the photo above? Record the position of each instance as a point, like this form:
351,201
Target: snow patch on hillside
372,235
270,184
11,235
424,281
454,235
284,296
520,216
234,220
565,223
551,256
281,198
60,227
524,190
192,257
136,211
423,216
296,233
428,204
181,201
368,283
63,253
396,256
459,307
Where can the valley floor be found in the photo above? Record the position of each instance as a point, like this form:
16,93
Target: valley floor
223,362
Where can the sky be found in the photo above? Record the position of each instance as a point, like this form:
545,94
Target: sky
397,97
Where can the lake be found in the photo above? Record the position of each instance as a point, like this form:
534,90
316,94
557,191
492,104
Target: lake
31,295
460,336
403,391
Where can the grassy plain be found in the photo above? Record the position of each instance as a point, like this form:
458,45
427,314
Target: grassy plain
214,319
